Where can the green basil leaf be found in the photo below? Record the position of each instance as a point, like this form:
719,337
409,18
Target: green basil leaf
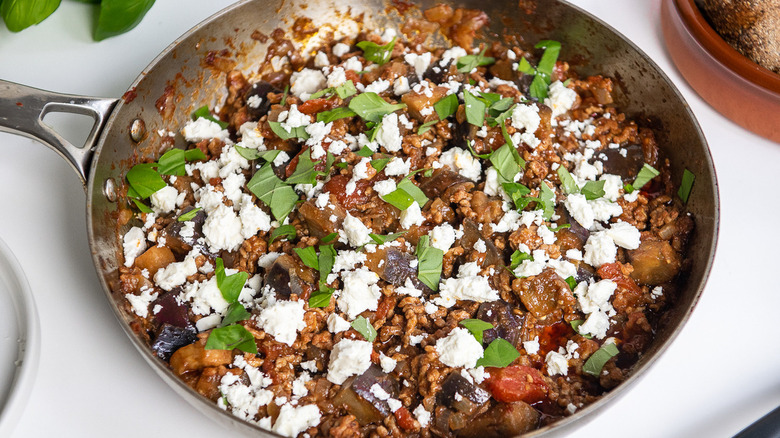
305,172
20,14
399,199
286,92
321,93
375,53
559,227
547,196
145,180
504,162
475,109
194,154
476,327
249,153
297,132
426,126
205,113
119,16
235,313
346,89
467,63
286,231
172,163
474,153
446,106
429,263
687,184
142,207
499,112
329,238
371,107
572,282
280,197
379,163
550,55
593,190
365,152
321,298
576,326
381,240
646,173
525,67
415,192
308,256
229,285
538,88
596,361
188,216
517,258
628,188
567,181
364,327
230,337
335,114
499,354
326,260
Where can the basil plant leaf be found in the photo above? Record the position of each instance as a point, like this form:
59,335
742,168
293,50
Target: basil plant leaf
364,327
230,337
119,16
500,354
21,14
229,285
476,327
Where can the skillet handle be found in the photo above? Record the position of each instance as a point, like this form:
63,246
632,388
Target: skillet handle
23,108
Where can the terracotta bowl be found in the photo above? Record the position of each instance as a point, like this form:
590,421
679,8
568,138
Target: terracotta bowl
734,85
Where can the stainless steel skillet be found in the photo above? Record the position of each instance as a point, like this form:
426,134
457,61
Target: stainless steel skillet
112,147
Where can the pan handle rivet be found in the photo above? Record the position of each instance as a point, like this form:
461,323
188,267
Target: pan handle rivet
137,130
109,189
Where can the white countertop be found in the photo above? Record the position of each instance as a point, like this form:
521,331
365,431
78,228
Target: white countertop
721,373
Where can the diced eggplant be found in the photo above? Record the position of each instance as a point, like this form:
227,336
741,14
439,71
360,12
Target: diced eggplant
463,134
392,265
437,74
183,244
506,324
575,228
655,262
171,311
471,235
417,102
287,277
361,402
541,296
318,219
506,419
261,90
463,395
444,182
626,166
155,258
585,272
170,338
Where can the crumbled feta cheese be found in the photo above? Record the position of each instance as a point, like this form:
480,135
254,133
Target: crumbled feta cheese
423,416
401,86
283,320
204,129
469,285
599,249
360,292
321,60
281,158
526,117
561,99
293,420
378,86
353,63
389,135
349,358
419,62
412,216
480,246
337,324
657,292
388,364
222,229
356,232
384,187
164,200
556,364
442,236
253,219
140,303
463,162
397,166
532,346
306,82
408,289
346,260
176,273
459,349
133,244
625,235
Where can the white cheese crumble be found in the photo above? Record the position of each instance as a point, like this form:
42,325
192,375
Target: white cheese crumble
423,416
293,420
133,244
459,349
140,303
306,82
337,324
389,136
164,200
442,236
384,187
624,235
556,364
201,129
412,216
419,62
175,274
222,229
360,292
599,249
340,49
526,117
561,99
357,233
350,358
397,166
283,320
346,260
463,162
387,363
469,285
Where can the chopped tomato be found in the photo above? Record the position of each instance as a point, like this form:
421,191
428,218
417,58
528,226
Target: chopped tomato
315,106
404,419
338,186
613,272
290,169
517,383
